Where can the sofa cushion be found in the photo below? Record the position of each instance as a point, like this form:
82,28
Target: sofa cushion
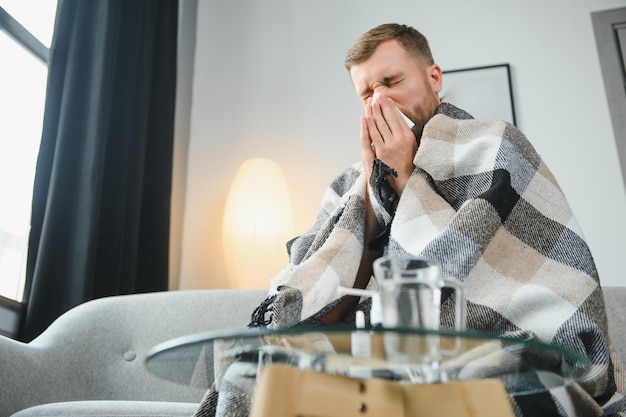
110,409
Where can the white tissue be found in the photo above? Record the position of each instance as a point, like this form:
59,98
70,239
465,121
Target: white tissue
375,98
408,121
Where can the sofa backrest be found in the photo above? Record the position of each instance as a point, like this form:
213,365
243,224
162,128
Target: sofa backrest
615,300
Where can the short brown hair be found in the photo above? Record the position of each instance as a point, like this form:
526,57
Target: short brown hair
410,38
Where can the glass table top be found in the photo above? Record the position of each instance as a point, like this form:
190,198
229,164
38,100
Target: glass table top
525,366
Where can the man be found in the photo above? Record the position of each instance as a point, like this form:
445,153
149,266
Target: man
395,64
472,194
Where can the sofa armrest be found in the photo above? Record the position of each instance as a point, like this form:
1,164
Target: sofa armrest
97,350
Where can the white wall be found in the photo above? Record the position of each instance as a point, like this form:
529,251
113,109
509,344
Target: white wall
269,82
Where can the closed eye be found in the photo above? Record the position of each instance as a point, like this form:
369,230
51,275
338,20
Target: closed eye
389,83
365,96
388,80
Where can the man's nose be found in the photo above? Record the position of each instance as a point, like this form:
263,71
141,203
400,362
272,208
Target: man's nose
380,91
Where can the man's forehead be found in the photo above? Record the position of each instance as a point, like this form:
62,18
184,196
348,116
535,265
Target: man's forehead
388,60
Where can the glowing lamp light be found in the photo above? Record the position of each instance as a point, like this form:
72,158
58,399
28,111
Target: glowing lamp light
258,221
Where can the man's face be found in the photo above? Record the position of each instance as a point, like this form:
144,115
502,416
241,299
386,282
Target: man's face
391,72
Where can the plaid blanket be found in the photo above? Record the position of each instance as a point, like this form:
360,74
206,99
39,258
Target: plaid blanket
483,203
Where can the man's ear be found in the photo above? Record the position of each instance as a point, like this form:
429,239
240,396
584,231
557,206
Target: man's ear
435,77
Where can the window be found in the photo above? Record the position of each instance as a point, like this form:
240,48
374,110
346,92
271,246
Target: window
25,35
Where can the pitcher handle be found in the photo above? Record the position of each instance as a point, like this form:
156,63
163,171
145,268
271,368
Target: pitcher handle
459,313
459,308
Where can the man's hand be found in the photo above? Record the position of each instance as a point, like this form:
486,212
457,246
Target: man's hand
393,142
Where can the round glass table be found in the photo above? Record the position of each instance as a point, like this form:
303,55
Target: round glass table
524,365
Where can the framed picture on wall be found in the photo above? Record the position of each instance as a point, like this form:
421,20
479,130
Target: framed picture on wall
484,92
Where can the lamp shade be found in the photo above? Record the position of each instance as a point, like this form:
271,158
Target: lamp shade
258,221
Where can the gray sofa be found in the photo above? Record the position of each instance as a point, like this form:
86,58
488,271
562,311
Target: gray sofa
94,354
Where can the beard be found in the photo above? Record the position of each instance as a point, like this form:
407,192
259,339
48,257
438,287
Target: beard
422,113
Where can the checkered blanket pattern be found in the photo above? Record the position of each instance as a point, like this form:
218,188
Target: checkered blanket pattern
483,203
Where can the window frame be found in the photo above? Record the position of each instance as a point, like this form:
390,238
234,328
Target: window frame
22,36
11,311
